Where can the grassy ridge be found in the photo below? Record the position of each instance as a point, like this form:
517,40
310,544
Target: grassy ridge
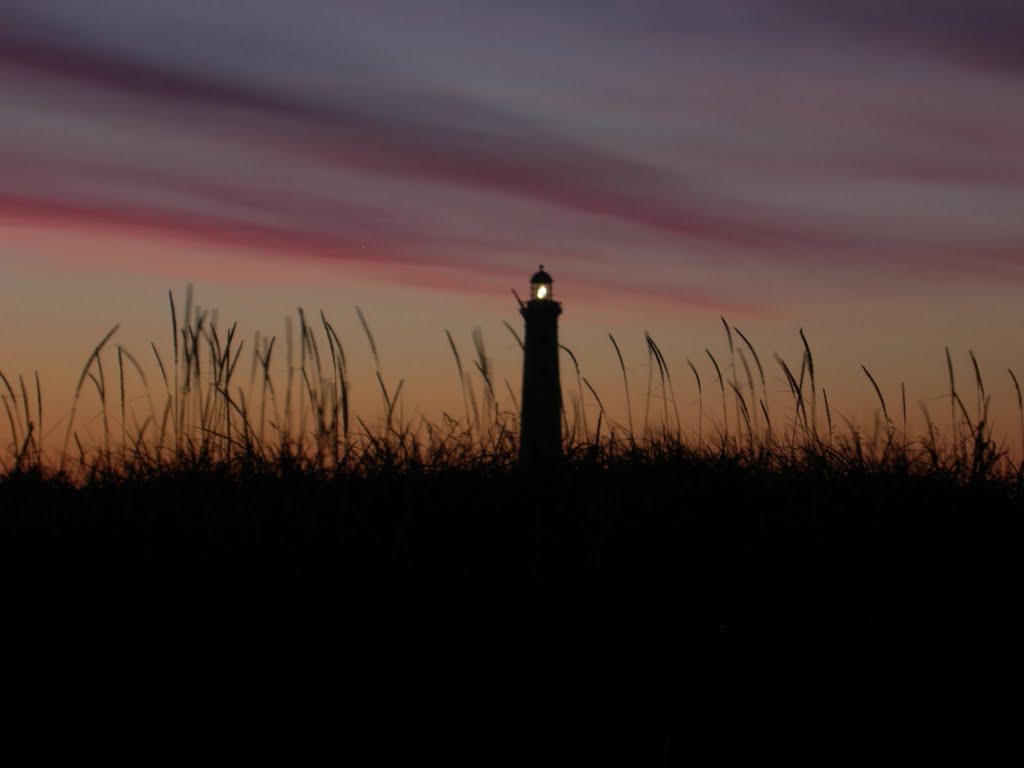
250,574
648,613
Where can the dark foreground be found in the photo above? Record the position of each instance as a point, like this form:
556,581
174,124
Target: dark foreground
644,616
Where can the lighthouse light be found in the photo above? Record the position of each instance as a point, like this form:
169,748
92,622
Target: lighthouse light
540,285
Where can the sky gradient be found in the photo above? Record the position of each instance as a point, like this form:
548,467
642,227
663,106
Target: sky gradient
852,168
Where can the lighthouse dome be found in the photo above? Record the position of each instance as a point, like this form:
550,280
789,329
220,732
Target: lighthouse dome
541,277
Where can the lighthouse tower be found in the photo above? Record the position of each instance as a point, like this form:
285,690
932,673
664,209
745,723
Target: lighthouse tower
540,443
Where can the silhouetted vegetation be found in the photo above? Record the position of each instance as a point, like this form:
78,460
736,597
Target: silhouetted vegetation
252,574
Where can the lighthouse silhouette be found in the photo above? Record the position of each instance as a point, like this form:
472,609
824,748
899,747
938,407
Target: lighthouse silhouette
540,440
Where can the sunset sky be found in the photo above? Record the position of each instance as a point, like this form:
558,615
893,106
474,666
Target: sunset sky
855,169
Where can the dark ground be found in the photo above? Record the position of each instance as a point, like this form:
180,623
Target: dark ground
641,616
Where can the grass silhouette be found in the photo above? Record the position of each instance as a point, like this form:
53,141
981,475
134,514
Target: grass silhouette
207,420
252,574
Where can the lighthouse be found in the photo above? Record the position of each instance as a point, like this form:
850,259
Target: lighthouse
540,440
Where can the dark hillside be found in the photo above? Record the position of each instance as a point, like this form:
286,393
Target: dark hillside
654,613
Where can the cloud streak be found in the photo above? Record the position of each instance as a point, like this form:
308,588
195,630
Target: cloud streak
981,33
424,138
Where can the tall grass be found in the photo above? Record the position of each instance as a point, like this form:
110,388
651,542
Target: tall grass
299,419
